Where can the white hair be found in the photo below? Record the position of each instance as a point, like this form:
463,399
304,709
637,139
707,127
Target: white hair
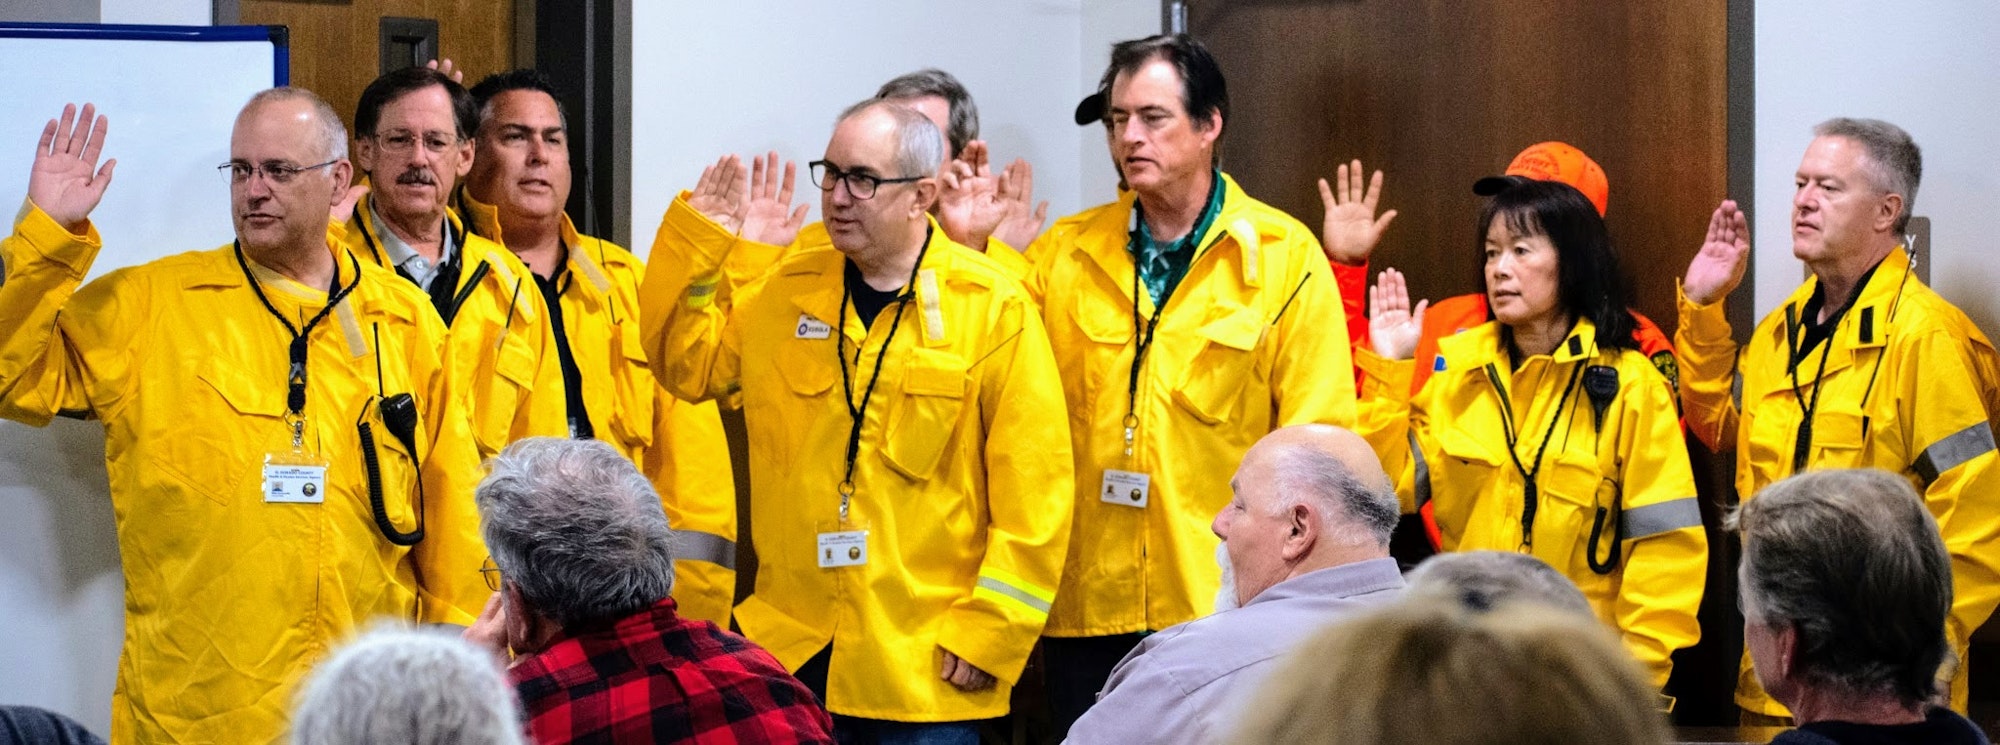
396,684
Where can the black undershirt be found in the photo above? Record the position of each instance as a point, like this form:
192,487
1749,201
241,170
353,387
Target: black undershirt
868,301
552,290
1812,330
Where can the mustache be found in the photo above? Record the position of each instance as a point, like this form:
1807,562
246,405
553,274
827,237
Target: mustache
417,176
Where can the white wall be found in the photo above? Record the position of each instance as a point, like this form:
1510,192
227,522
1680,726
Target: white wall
757,75
1929,68
159,12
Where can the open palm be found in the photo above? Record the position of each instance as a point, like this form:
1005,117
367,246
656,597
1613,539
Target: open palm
1718,267
66,182
1393,326
1352,230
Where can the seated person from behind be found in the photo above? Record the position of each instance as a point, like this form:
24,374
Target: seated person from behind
585,563
1845,588
403,685
1484,580
1429,670
1306,541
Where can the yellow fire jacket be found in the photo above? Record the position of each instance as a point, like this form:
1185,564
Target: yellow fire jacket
962,480
502,354
1615,506
229,599
679,446
1900,392
1252,339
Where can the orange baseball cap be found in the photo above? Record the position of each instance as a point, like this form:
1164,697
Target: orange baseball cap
1554,161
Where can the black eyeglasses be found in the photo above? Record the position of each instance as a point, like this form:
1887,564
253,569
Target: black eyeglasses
827,175
274,171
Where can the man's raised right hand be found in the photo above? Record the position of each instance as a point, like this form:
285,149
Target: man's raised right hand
62,182
1725,253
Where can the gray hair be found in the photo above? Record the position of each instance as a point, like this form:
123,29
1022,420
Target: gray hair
403,685
963,122
332,133
1852,560
577,528
1300,472
1894,162
1483,580
919,146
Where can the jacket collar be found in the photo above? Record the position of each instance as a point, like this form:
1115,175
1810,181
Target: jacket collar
1113,256
822,267
1475,347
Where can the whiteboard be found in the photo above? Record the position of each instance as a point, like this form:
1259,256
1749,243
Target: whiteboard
171,93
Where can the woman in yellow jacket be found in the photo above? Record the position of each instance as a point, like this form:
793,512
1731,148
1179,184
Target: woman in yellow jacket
1544,431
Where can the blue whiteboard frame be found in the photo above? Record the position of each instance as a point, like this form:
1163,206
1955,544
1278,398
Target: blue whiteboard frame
279,36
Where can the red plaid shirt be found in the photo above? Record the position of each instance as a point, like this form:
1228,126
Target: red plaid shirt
656,677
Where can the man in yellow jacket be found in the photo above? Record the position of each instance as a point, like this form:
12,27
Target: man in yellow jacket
912,489
1189,320
1863,366
514,195
286,458
413,137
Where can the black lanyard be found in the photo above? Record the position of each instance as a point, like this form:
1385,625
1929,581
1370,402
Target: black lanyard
295,398
1802,445
857,414
1530,493
1142,333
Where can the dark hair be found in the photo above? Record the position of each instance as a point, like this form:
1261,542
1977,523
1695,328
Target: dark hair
523,79
1203,91
1852,560
1590,281
409,80
962,125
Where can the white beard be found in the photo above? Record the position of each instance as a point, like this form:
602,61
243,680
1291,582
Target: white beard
1225,598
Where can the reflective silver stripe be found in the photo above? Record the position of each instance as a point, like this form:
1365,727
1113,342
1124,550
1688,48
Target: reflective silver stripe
1665,517
1736,389
1954,450
709,547
1423,480
1015,593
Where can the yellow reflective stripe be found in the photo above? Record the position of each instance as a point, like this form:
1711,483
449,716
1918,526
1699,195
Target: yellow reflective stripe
933,305
1009,586
702,291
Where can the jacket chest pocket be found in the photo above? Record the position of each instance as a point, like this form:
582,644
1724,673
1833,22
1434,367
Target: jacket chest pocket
1574,498
1224,376
505,389
1105,323
197,450
635,391
1840,438
927,408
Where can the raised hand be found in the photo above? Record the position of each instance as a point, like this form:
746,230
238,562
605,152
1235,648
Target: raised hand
969,205
1718,267
344,208
722,192
1352,231
1024,218
62,182
767,216
1393,326
447,68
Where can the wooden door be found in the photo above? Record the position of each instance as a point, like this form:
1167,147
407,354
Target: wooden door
1441,92
336,43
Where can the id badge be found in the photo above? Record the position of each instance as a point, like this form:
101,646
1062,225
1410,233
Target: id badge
842,544
295,477
1125,488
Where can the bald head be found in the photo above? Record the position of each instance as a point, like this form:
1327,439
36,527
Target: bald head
1306,498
